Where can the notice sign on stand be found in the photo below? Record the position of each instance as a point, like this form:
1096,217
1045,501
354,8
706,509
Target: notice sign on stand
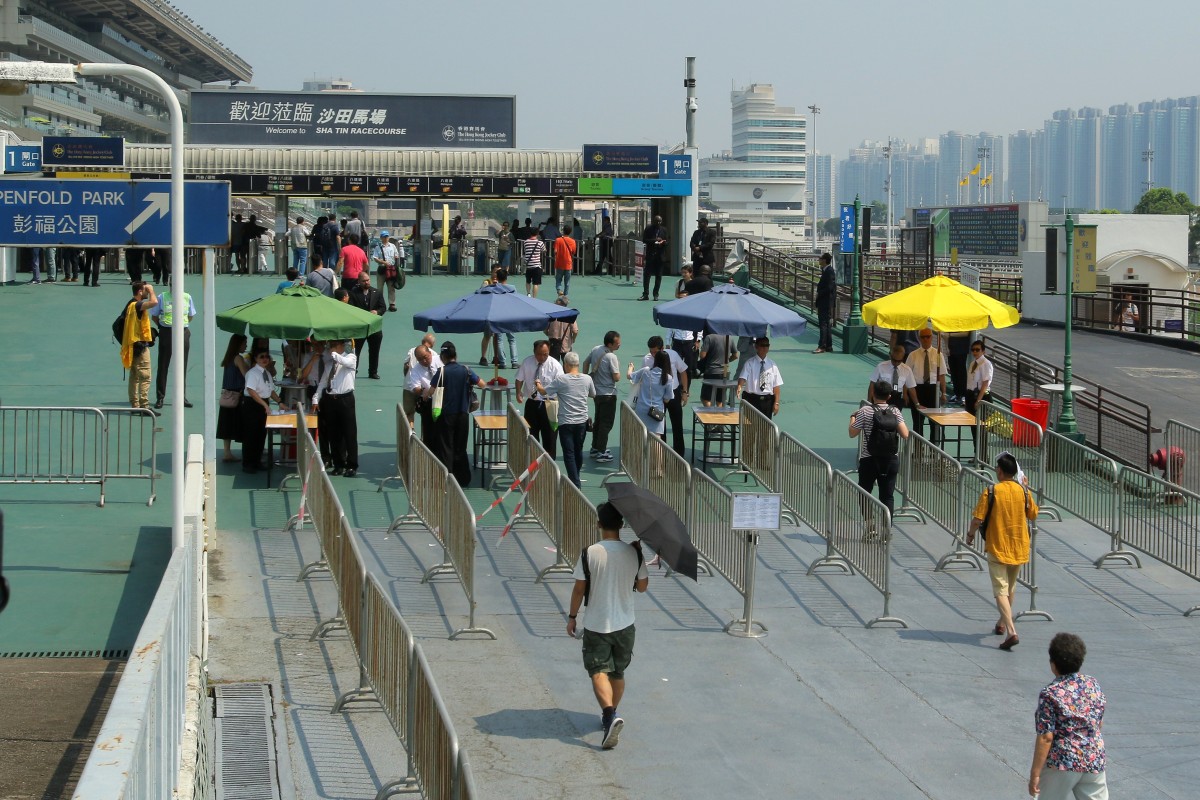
759,512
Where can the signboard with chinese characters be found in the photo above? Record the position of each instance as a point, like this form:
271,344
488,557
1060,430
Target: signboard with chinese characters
848,228
83,151
676,166
352,119
83,213
650,187
621,158
1083,260
23,158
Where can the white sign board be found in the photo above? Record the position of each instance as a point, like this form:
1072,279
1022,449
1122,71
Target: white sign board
756,511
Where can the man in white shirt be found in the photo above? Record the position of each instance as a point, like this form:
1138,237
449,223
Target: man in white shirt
298,236
606,577
979,377
538,367
335,402
929,369
899,376
760,379
386,257
679,391
416,384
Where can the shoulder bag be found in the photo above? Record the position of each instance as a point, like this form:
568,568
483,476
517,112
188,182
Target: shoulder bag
439,394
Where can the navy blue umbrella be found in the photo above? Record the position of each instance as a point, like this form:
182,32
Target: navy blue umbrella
729,310
492,309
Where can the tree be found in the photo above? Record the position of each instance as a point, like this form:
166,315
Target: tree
831,226
878,211
1163,201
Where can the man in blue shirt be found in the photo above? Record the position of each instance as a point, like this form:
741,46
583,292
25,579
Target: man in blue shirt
452,425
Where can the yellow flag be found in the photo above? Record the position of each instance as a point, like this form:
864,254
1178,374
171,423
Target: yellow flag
976,170
986,181
966,179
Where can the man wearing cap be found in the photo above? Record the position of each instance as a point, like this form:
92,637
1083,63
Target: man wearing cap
760,379
703,241
387,265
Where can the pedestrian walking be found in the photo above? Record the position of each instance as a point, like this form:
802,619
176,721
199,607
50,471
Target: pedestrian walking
605,369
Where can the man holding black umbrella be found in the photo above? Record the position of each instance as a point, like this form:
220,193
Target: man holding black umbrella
606,576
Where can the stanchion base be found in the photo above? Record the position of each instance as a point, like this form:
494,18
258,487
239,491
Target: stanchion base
297,520
552,569
1127,557
894,620
909,512
440,569
326,627
402,786
1033,612
837,562
469,631
363,694
404,519
387,480
958,557
316,566
1188,613
746,631
283,483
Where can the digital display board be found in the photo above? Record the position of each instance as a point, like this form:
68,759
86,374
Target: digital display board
984,230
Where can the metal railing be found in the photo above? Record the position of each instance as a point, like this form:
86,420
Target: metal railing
518,442
458,536
860,531
1169,313
77,445
634,451
805,481
404,439
669,477
759,451
928,484
1185,438
140,750
999,430
579,526
1162,520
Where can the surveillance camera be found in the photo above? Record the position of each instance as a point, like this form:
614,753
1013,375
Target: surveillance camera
691,105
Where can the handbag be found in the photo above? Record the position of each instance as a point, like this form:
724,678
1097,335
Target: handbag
230,398
473,401
439,394
552,413
656,413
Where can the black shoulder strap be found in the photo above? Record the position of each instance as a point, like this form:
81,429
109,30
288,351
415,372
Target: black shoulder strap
587,575
987,517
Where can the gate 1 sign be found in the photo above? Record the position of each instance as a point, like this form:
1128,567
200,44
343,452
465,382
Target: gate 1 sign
23,158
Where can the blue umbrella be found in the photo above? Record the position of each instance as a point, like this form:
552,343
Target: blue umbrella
492,309
730,310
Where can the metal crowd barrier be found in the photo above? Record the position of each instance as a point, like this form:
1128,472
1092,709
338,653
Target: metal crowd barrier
1186,438
322,509
1085,483
633,446
426,491
72,445
404,439
805,481
579,526
731,553
351,586
458,537
928,484
1161,519
1000,430
541,499
518,442
332,531
307,460
759,451
669,476
387,668
860,531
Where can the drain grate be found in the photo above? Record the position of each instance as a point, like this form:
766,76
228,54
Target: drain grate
111,655
245,739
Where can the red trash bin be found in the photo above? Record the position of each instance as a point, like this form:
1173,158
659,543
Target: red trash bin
1024,434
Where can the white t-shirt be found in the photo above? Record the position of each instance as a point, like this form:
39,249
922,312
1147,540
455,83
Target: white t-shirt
614,567
979,371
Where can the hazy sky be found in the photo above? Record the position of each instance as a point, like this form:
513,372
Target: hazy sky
613,72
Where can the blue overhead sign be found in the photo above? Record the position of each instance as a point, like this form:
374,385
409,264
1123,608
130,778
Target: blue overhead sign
23,158
848,228
650,187
620,158
83,151
84,213
675,166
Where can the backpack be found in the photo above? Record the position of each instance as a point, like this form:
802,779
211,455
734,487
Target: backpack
328,237
987,517
884,441
118,328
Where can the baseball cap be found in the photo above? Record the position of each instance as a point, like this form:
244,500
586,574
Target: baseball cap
384,233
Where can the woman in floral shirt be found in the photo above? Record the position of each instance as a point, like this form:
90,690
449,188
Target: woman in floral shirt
1068,753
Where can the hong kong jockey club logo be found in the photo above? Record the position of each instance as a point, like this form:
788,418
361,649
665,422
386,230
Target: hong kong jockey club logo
598,158
448,133
58,150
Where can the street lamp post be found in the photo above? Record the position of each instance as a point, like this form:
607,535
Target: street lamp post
19,73
854,334
1066,424
814,109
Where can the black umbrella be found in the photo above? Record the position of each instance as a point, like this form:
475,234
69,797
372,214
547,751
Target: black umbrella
656,524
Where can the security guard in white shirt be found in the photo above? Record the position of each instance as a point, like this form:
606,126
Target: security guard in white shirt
335,401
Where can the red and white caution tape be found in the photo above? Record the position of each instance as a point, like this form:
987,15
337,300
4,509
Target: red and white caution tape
528,473
304,491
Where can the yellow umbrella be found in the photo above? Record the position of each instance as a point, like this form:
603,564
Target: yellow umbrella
944,303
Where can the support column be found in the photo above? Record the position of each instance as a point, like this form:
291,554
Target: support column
424,229
281,240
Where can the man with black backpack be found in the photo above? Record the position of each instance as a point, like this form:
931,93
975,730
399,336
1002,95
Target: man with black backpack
882,427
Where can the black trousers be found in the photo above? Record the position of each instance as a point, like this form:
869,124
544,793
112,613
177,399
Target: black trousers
763,402
606,415
825,323
960,351
539,426
133,265
339,425
686,348
869,474
927,395
375,345
166,336
674,408
651,268
428,426
453,431
254,433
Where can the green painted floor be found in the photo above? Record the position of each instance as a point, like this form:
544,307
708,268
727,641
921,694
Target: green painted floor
83,576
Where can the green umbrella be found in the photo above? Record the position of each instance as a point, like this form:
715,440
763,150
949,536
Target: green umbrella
297,313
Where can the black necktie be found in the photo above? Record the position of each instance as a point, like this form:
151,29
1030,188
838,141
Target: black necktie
926,366
895,376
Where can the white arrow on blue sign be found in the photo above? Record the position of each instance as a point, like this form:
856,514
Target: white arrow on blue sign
86,213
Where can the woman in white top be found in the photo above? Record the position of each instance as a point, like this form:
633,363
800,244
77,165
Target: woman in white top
979,378
260,389
653,386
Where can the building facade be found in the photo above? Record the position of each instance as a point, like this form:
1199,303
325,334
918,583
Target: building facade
147,33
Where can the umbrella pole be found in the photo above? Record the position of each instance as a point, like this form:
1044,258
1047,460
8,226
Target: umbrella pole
744,628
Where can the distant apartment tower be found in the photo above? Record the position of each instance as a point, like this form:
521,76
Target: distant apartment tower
1026,166
824,186
153,35
331,85
864,174
977,159
764,181
1074,165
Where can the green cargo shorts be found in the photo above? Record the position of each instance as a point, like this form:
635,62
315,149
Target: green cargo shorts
608,652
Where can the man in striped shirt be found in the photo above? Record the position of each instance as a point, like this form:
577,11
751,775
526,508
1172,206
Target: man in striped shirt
533,249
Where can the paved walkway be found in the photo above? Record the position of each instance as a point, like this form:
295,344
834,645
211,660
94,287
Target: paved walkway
929,711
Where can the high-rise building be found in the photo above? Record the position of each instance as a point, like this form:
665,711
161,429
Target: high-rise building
824,186
1026,166
147,33
914,170
763,181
